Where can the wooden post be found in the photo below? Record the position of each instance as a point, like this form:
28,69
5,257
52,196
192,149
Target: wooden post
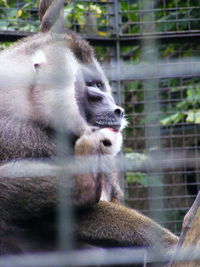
188,246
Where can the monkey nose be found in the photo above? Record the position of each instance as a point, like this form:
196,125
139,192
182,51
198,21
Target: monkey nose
119,112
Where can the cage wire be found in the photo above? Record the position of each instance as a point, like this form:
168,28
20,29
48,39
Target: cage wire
151,54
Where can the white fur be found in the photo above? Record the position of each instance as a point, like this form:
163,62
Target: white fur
124,123
55,89
104,195
39,58
45,92
116,140
16,78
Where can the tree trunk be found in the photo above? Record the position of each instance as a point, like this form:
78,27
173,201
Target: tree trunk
188,248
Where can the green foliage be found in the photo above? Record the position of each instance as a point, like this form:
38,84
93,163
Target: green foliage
130,15
188,109
136,177
81,13
5,45
14,17
24,17
171,16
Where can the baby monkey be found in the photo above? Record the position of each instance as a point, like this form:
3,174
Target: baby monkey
104,144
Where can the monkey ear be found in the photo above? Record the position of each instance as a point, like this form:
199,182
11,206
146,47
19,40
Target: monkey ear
51,15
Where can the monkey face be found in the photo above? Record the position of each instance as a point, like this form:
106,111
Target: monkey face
96,103
100,108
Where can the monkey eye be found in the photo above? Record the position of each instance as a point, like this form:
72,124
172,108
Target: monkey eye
94,98
97,84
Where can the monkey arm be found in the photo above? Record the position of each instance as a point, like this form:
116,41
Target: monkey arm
87,190
87,186
28,220
110,224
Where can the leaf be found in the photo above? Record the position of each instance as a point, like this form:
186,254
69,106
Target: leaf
4,3
137,177
103,33
136,156
11,13
193,116
19,13
197,118
81,7
174,118
95,8
3,24
190,116
183,105
68,10
81,20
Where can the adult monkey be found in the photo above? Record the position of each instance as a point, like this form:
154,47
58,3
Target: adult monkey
31,89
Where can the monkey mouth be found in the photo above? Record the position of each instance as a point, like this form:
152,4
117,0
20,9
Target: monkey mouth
114,127
113,130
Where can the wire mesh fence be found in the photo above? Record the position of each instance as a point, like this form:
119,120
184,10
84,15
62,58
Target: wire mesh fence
151,54
167,16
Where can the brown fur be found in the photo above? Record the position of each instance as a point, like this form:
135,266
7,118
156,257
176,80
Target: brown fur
96,143
135,230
